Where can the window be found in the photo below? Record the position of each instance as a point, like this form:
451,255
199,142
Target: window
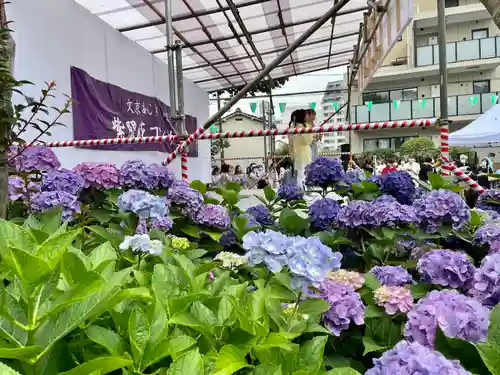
390,143
481,87
410,94
450,3
480,33
376,97
387,96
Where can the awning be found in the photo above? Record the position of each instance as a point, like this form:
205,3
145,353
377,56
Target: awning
216,53
482,131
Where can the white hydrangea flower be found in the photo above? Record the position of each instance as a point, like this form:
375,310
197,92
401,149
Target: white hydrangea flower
231,260
142,243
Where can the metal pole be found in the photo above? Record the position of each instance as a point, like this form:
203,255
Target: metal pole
170,58
443,73
264,119
220,131
180,88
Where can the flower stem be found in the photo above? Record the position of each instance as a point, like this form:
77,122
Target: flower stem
295,309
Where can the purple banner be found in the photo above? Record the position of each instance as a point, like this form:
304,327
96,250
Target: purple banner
103,110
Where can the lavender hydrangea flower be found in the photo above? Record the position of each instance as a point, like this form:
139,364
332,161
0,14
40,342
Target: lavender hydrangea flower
159,177
262,214
400,185
346,306
392,275
212,215
489,201
142,227
441,207
495,247
405,245
354,215
385,212
486,284
17,188
354,175
290,192
394,299
137,175
375,179
323,213
31,159
228,239
143,204
446,268
162,223
141,243
63,180
99,176
456,315
412,359
48,199
324,172
187,199
487,234
267,247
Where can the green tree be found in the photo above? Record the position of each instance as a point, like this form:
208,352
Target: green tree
261,87
419,148
216,145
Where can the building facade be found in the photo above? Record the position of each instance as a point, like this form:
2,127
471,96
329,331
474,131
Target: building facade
406,86
332,100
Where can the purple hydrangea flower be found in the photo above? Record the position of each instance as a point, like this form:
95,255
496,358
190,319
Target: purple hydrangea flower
354,175
375,179
324,172
392,275
495,247
486,284
400,185
355,214
412,359
446,268
290,192
142,227
162,223
212,215
99,176
346,306
262,214
133,175
487,234
63,180
394,299
456,315
441,207
48,199
228,239
405,245
489,201
143,204
187,199
385,212
158,176
17,188
251,221
31,159
323,213
268,247
418,193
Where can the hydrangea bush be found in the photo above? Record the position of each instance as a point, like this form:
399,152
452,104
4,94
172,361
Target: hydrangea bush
130,271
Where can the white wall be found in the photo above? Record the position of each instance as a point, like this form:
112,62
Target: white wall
52,35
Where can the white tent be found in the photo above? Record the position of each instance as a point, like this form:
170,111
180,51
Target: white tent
482,131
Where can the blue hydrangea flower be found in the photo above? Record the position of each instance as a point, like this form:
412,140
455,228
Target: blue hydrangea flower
290,192
267,247
487,234
346,307
212,215
354,175
456,315
48,199
392,275
17,188
375,179
262,214
355,214
163,223
400,185
32,159
63,180
228,239
187,199
411,359
440,208
323,213
324,172
446,268
158,176
489,201
486,284
132,174
143,204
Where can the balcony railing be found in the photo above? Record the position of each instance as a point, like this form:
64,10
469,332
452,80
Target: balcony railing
465,50
459,105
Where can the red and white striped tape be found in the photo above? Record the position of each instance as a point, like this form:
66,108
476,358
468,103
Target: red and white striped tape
279,156
449,166
184,166
111,141
444,145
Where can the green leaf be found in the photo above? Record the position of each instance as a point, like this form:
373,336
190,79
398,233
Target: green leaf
192,230
420,290
73,268
173,347
230,360
138,328
267,369
371,346
27,266
372,311
106,338
494,330
313,306
490,356
12,235
228,311
292,222
51,219
190,363
6,370
203,315
198,185
101,254
275,340
384,331
177,345
371,281
343,371
269,193
22,354
100,365
437,182
212,234
311,354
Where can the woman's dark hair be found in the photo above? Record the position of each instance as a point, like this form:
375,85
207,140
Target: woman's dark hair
238,170
310,111
215,170
298,117
261,184
427,159
389,160
225,168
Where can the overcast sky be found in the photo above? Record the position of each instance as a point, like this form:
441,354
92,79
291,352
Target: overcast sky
308,82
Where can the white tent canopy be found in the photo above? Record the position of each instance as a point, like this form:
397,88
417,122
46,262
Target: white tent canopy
482,131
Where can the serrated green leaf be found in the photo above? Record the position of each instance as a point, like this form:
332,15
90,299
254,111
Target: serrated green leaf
107,339
267,369
190,363
100,365
343,371
269,193
311,354
313,306
372,311
275,340
490,356
371,281
227,312
101,254
203,315
198,185
230,360
27,266
139,333
12,235
371,346
6,370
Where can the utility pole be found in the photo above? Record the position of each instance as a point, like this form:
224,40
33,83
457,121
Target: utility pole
443,71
